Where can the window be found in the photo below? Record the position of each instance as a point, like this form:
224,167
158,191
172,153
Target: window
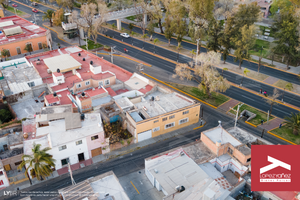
170,125
107,82
5,147
18,50
87,82
182,121
65,161
79,142
156,121
1,182
31,84
17,163
40,45
94,137
100,83
165,119
78,85
1,173
185,112
230,151
249,159
156,129
172,116
62,147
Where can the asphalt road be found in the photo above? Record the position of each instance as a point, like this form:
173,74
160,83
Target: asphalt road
293,78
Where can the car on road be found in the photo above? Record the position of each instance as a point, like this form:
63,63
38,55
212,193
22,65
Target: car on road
35,10
125,35
34,4
14,5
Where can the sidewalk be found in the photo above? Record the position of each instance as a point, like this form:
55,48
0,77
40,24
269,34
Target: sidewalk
118,152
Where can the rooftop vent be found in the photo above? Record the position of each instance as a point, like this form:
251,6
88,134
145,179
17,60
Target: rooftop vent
82,94
38,59
179,188
82,116
79,54
91,62
156,171
58,70
4,98
54,94
182,153
83,59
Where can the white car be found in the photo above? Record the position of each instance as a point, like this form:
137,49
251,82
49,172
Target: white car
125,35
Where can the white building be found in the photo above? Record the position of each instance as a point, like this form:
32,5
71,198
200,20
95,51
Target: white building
4,182
73,138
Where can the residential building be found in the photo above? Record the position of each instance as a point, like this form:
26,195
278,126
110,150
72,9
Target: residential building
17,32
73,138
1,13
104,186
4,182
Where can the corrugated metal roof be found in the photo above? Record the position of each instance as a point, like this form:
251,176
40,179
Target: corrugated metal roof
13,31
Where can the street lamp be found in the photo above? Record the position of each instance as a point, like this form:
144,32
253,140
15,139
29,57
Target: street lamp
237,113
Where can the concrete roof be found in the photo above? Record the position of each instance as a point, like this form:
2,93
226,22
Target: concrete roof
63,62
136,83
124,103
28,144
10,153
174,169
219,134
15,138
210,170
59,135
244,149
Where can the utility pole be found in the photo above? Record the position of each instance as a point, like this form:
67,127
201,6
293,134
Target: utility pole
111,54
71,175
34,18
237,113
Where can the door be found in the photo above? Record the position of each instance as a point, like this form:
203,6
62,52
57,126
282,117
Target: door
96,152
40,45
144,135
19,50
7,167
81,157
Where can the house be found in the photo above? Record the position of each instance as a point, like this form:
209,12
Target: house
73,138
104,186
17,32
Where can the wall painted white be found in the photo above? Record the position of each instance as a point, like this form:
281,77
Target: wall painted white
4,178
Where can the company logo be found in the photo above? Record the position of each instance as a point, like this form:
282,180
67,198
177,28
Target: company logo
270,177
10,193
274,168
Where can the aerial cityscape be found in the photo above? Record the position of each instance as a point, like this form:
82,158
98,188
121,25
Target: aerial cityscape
149,100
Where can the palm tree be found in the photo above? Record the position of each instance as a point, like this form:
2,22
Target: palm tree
40,162
48,15
293,122
154,42
289,87
224,69
246,71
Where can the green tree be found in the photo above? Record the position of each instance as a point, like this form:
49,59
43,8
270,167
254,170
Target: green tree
156,13
244,42
58,17
150,27
154,42
5,115
48,16
5,53
28,48
40,162
169,30
289,87
178,14
130,26
283,5
245,72
4,3
272,100
226,40
272,51
286,35
215,34
144,37
293,122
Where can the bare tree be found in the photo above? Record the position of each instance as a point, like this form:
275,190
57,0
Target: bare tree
121,4
272,99
223,9
211,80
141,9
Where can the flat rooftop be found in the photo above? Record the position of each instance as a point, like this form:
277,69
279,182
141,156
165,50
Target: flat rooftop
219,134
27,29
64,61
10,153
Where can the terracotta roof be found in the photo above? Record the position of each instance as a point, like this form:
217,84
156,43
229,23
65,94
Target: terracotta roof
111,92
57,74
51,99
286,195
95,91
147,89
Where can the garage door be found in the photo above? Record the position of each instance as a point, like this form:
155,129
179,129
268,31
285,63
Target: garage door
96,152
144,135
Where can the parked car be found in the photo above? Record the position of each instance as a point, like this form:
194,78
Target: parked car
14,5
125,35
34,4
35,10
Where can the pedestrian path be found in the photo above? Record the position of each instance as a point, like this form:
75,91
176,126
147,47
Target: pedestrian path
274,123
227,105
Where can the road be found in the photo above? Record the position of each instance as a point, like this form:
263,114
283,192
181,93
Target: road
293,78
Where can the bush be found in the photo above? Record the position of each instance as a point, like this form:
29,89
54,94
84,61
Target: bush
5,115
108,5
78,5
122,142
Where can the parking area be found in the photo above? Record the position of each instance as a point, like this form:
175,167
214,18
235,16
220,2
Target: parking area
138,187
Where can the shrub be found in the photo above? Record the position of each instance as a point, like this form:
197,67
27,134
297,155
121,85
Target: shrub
122,142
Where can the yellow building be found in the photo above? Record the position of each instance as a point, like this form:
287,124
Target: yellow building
157,113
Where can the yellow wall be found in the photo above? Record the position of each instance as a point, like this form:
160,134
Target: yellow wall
1,13
145,125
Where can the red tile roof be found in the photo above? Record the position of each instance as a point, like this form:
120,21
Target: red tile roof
51,99
147,89
111,92
286,195
57,74
120,91
95,92
29,30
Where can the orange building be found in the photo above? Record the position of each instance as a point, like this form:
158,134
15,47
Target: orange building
16,33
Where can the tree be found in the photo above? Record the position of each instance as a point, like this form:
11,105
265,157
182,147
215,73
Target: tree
223,8
28,48
200,12
5,53
154,42
245,72
211,81
131,26
121,4
68,4
48,16
260,58
5,115
157,13
40,162
4,3
150,27
193,52
272,51
272,99
289,87
141,10
58,17
226,40
244,42
283,5
144,37
293,122
169,29
215,33
286,35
